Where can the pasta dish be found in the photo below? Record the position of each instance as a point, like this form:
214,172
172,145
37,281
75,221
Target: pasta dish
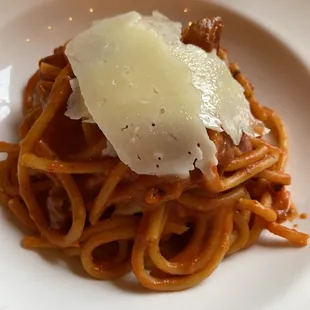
71,184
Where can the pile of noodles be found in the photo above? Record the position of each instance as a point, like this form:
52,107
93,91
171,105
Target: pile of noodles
171,233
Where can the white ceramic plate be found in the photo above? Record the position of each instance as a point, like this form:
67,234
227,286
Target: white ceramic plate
270,42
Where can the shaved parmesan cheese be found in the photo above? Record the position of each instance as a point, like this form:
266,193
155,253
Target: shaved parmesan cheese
76,108
153,97
109,150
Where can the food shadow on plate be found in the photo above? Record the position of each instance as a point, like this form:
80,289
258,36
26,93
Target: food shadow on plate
51,256
54,257
130,284
58,258
273,243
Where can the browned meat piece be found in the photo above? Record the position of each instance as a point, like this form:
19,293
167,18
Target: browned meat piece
283,206
205,33
58,208
59,59
245,144
225,153
225,149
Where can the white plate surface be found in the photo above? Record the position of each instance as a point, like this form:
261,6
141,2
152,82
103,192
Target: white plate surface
270,40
